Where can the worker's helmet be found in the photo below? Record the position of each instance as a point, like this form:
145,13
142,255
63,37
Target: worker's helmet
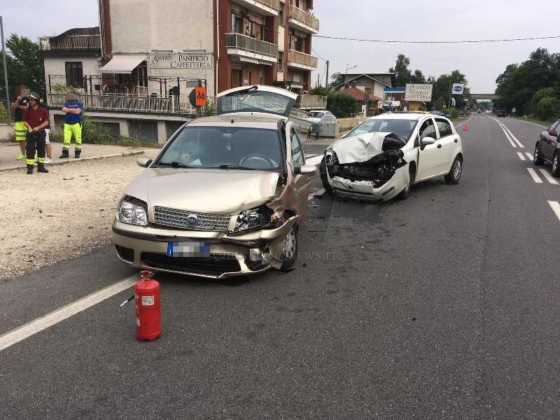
35,96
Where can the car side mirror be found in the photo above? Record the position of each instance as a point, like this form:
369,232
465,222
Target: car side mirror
305,170
144,162
553,133
426,141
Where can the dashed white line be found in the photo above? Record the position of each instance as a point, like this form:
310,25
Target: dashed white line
40,324
548,177
535,176
521,156
529,155
555,205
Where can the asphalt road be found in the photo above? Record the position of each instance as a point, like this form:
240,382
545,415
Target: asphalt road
441,306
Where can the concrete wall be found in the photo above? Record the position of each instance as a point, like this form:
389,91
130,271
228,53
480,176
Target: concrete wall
146,25
56,68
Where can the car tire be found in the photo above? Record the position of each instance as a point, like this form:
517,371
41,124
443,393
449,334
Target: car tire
404,194
538,159
556,165
289,250
324,176
454,175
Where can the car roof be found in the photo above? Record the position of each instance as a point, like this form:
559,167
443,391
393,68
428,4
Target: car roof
416,116
244,120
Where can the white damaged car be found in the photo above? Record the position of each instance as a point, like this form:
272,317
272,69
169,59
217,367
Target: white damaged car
386,155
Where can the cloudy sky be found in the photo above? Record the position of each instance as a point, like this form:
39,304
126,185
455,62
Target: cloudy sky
396,19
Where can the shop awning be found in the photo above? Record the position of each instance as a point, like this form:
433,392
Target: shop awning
123,63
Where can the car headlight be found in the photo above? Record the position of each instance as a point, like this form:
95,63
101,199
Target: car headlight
133,212
253,219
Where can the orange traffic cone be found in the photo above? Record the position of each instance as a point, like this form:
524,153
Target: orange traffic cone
466,128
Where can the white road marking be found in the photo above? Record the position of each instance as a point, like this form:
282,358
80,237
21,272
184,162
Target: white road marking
315,161
521,156
515,139
555,205
507,136
529,155
548,177
42,323
535,176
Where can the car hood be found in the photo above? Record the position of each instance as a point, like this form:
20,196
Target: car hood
204,190
360,148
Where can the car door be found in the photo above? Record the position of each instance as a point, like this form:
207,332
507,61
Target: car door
550,140
449,141
301,183
431,157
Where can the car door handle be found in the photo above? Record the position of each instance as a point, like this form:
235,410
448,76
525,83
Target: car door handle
439,146
455,141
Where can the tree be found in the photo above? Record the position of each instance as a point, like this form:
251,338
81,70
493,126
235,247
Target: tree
342,105
402,74
25,65
442,89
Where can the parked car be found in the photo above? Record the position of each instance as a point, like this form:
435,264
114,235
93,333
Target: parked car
226,195
323,123
547,149
386,155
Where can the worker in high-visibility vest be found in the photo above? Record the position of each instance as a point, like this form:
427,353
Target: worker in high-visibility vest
201,97
73,110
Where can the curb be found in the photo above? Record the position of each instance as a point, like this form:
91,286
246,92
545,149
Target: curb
87,159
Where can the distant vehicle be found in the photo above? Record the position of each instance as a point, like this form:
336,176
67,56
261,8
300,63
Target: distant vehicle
226,195
500,112
386,155
316,116
547,149
323,123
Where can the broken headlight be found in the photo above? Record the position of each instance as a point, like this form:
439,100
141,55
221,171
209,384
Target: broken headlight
256,218
132,212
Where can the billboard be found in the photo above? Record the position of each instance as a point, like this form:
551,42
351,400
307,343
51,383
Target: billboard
458,89
418,93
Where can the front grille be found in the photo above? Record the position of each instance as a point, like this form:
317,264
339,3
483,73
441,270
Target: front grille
188,220
213,265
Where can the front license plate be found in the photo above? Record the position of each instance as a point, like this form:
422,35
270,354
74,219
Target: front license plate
188,249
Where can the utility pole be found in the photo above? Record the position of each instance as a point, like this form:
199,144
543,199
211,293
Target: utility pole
327,75
5,69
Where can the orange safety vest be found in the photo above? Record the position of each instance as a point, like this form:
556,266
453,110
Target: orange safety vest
200,96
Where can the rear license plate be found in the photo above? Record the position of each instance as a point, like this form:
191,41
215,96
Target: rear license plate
188,249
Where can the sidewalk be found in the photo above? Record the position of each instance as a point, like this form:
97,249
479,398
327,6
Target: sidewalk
9,152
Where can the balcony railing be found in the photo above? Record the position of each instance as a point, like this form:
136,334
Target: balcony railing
74,42
304,17
246,43
273,4
299,58
125,103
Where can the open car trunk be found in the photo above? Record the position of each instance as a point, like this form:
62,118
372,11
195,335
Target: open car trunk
373,157
257,99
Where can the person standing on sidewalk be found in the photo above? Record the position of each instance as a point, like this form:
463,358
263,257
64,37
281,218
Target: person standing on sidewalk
19,106
73,109
37,120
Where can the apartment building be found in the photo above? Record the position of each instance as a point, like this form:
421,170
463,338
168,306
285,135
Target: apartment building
151,54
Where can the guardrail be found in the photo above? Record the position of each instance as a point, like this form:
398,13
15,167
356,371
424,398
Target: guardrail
246,43
297,57
304,17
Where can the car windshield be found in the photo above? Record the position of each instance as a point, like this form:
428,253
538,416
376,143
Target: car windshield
255,101
316,114
402,128
223,148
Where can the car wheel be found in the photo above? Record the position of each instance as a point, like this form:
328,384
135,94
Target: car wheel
289,250
556,165
537,157
454,175
324,176
404,194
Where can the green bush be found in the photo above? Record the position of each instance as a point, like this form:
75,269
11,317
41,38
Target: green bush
342,105
95,133
548,108
3,113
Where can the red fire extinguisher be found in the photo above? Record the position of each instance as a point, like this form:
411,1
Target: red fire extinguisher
148,308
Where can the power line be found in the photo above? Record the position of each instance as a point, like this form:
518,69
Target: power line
465,41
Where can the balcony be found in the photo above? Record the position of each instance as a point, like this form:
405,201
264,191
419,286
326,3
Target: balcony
303,20
251,50
301,60
265,7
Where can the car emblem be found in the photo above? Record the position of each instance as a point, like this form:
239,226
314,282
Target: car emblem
192,219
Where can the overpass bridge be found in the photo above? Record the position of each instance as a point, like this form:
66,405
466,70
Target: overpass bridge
484,96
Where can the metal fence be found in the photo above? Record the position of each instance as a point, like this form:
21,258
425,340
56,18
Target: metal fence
246,43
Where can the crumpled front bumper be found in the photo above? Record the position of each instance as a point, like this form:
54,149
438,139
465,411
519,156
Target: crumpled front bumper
229,255
365,190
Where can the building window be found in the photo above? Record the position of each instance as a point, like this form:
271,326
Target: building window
236,23
74,74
